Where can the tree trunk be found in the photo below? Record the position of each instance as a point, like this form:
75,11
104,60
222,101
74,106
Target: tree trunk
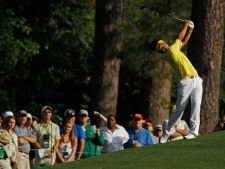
205,52
105,77
160,94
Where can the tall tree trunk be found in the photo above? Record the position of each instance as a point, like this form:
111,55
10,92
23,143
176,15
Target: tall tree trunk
104,83
205,49
160,93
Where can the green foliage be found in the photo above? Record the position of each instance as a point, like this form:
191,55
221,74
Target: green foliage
45,50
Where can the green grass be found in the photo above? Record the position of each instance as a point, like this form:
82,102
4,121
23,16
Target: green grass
204,152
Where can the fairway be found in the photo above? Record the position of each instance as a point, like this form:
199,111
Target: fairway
204,152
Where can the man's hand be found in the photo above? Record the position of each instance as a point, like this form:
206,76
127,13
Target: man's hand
191,24
49,153
137,145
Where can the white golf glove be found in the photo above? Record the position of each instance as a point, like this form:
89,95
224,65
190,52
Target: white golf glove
191,24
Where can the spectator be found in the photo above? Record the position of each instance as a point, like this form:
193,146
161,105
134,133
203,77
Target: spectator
29,125
158,131
138,135
10,141
69,115
148,126
181,131
34,121
29,122
68,144
25,137
48,136
114,135
222,123
94,138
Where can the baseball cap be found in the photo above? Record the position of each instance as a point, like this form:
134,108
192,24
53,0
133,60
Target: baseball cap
29,115
7,114
22,112
83,112
34,118
137,116
46,108
69,112
158,127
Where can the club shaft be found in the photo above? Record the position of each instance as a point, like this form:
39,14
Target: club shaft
145,6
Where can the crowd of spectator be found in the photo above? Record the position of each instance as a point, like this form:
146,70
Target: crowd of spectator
27,142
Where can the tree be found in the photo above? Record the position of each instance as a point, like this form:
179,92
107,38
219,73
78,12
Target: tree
205,51
107,39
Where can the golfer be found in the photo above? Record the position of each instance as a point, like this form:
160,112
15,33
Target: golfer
188,86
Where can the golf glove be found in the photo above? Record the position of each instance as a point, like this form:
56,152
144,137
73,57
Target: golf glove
191,24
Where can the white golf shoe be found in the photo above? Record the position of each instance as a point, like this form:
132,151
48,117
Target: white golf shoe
164,137
190,136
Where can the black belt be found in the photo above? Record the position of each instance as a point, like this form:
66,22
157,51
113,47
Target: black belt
24,152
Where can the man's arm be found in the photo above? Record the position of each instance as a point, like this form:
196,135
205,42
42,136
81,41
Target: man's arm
78,156
185,35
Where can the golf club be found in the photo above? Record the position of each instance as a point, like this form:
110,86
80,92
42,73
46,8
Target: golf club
145,6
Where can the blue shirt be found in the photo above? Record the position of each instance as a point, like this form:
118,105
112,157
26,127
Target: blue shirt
143,137
23,132
78,132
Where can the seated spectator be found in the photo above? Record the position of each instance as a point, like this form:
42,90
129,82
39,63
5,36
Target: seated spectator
48,136
158,131
11,141
138,135
25,137
148,126
94,139
67,144
222,123
181,131
114,135
69,115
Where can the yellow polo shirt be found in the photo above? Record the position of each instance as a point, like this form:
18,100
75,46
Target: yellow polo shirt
179,61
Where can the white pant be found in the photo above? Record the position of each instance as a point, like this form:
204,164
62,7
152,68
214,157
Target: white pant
187,88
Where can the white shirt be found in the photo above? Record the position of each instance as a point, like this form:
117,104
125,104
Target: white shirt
65,147
114,140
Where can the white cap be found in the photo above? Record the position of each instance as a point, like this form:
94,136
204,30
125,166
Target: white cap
46,108
7,113
29,115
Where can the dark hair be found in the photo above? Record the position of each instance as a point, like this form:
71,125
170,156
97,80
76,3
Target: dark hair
153,44
111,115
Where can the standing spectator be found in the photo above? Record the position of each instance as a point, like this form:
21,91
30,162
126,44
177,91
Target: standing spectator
34,121
68,144
29,125
138,135
9,141
114,135
148,126
48,136
158,131
69,115
25,137
94,139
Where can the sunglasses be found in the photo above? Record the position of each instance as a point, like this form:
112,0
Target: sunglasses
147,125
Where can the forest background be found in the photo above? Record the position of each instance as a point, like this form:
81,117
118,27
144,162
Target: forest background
96,55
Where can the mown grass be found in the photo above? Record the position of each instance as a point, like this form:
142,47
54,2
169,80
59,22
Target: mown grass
204,152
